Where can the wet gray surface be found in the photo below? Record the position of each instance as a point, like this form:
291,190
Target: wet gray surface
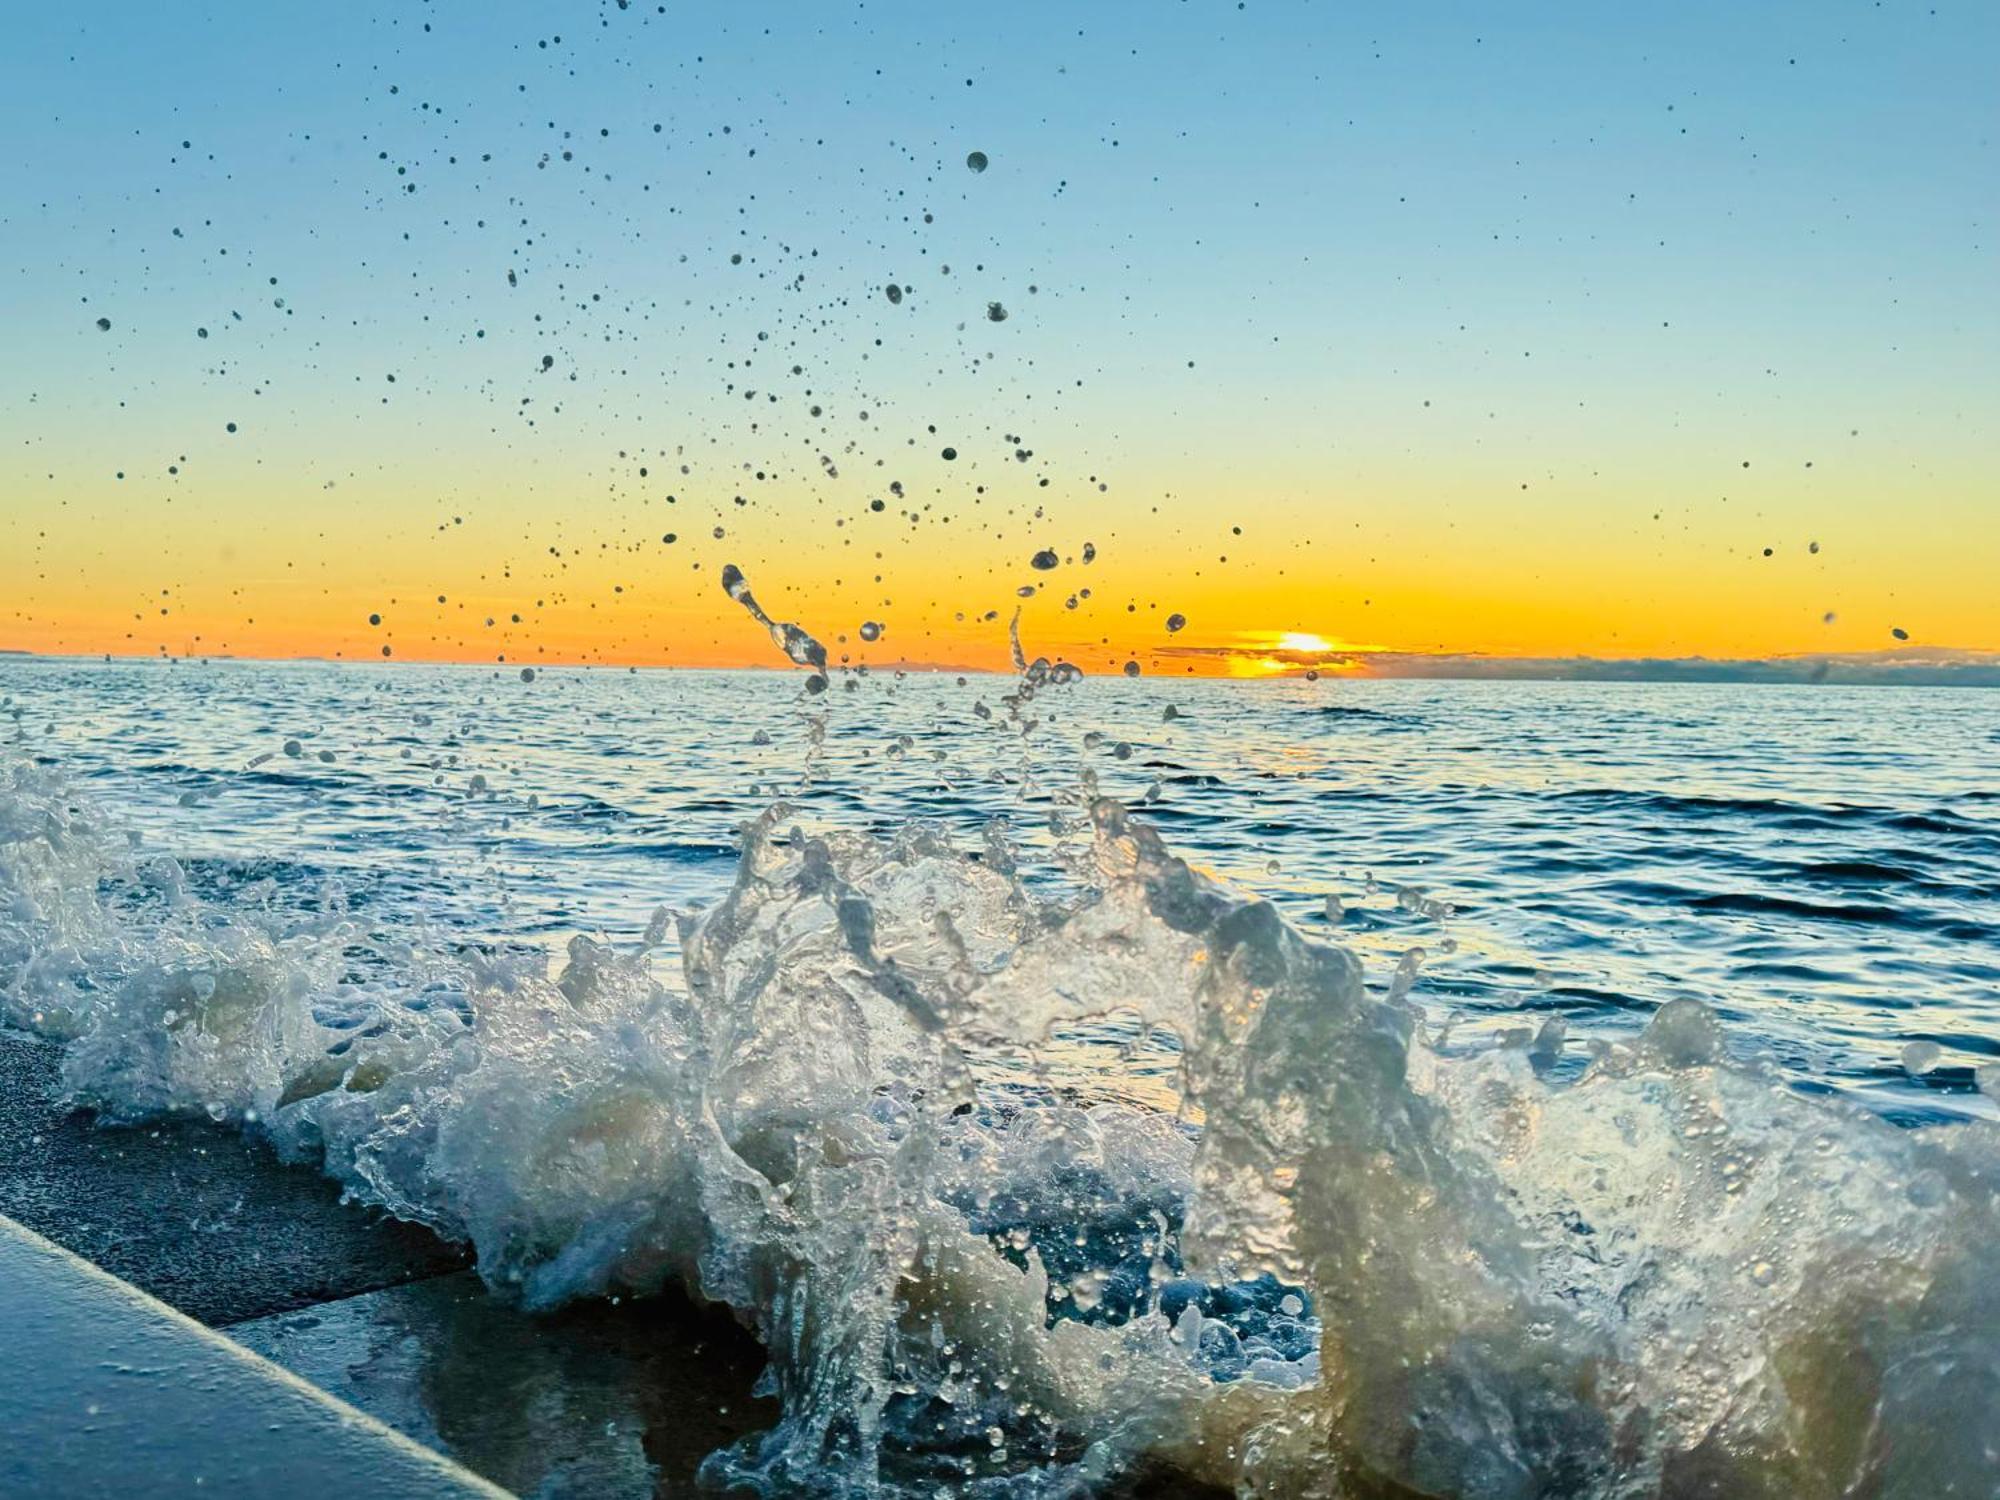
108,1392
599,1400
603,1399
198,1215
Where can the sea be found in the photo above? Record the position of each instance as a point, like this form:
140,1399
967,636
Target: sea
1484,1088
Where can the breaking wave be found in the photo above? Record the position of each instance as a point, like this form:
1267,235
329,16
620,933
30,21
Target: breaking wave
1349,1264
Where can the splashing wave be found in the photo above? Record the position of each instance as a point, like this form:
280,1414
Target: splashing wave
1349,1266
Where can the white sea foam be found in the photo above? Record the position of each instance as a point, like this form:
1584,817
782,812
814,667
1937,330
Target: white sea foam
1354,1266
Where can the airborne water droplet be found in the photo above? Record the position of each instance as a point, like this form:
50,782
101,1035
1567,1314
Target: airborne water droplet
801,648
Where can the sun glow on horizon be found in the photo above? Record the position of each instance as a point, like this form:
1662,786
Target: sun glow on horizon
1303,640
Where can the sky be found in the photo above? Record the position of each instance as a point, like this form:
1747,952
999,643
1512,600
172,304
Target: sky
1338,337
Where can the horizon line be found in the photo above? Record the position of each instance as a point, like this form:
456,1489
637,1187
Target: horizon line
1904,666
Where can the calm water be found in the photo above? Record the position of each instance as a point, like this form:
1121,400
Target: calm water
1822,865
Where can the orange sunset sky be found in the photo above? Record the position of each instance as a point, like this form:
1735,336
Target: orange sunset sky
1590,336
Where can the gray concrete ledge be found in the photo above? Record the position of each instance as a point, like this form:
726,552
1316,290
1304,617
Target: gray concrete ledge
107,1392
201,1216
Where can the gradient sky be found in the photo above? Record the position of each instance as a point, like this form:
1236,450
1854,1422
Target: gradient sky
1502,329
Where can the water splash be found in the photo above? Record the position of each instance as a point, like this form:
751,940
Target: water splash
1347,1265
791,639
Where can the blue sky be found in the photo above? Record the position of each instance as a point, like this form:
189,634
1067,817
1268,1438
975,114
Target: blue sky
1417,278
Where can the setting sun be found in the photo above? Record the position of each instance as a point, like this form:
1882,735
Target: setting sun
1303,640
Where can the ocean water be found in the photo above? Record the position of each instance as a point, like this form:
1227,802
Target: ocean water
1822,865
1481,1089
